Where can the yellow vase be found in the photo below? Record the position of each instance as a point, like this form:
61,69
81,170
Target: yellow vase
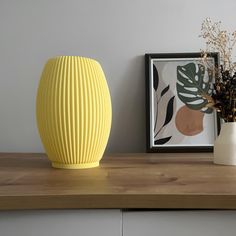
73,110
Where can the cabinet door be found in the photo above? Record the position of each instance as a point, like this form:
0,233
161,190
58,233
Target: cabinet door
179,223
61,223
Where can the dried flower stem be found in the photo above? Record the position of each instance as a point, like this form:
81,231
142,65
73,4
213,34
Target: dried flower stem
220,41
224,93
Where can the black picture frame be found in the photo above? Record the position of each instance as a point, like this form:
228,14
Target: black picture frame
174,58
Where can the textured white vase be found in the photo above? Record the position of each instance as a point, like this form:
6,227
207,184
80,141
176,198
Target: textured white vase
225,145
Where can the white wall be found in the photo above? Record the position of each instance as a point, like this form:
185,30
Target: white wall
115,32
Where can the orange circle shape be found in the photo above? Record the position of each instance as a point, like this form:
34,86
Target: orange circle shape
189,122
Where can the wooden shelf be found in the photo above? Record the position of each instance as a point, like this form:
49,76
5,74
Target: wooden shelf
160,181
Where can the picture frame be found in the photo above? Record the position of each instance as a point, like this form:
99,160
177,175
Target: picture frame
178,86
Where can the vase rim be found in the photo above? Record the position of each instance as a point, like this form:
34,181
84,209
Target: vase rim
228,123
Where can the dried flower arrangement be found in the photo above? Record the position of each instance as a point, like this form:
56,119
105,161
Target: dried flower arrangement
223,98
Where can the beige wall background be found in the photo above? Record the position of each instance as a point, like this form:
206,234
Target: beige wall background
116,33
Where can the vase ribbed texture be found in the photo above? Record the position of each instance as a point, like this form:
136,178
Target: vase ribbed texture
73,110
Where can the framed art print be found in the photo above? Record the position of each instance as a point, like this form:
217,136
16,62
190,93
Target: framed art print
178,86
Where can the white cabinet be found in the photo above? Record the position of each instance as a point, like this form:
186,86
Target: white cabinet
117,223
179,223
61,223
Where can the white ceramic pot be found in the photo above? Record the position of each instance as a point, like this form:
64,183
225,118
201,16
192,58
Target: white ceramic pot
225,145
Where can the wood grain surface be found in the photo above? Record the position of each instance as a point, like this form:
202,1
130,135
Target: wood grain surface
156,181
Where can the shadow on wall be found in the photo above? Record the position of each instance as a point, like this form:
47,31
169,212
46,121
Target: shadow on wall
128,132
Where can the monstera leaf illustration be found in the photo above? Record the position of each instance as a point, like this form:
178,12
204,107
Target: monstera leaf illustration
194,86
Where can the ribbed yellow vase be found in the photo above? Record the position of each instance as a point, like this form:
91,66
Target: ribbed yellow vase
73,110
